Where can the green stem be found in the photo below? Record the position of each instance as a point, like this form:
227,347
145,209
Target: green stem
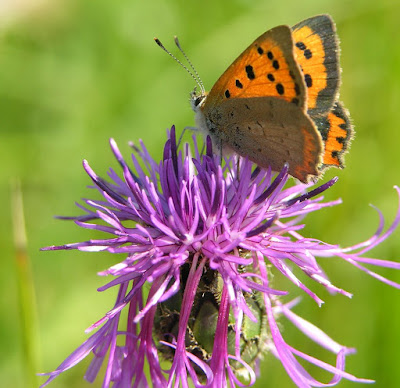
26,292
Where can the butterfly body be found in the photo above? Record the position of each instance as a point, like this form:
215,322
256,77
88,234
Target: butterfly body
276,103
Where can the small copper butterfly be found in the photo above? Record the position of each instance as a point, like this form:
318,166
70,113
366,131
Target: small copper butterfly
278,102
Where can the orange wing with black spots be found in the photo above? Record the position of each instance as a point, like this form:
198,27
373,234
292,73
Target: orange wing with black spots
276,103
317,53
266,68
336,131
257,108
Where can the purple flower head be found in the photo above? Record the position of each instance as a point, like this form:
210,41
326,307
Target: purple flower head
201,240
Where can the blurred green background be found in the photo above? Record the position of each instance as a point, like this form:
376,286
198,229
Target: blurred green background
75,73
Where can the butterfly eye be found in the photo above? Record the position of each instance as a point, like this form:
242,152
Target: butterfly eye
198,100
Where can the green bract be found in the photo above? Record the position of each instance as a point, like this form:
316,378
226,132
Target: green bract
203,320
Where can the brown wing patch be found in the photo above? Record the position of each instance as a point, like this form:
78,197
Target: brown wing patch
266,68
270,132
317,53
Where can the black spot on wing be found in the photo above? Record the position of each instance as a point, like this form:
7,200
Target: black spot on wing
297,89
301,45
308,79
239,84
307,54
280,89
250,72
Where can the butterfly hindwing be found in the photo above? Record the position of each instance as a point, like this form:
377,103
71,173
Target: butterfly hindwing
317,53
270,132
336,132
266,68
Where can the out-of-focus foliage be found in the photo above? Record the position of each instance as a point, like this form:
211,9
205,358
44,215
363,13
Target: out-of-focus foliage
75,73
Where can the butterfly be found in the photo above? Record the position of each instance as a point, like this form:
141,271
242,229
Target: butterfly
278,102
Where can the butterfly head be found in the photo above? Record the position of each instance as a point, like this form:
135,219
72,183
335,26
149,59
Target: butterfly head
197,99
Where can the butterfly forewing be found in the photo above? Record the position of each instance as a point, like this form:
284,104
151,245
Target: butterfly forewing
266,68
317,53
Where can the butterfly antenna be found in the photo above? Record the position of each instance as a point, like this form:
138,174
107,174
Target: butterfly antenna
196,79
199,81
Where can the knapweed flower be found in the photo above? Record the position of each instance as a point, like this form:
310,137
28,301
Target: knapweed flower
202,241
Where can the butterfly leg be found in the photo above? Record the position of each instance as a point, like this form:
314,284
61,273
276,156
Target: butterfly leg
203,149
194,129
238,168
